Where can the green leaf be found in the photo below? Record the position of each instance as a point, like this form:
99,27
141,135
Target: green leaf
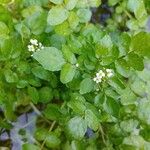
138,87
37,22
70,4
50,58
94,3
84,15
68,55
128,97
77,127
28,146
52,112
91,119
31,10
113,2
23,30
73,20
41,134
22,84
57,1
144,111
122,67
28,3
33,93
45,94
52,141
134,140
41,73
135,61
138,7
57,40
67,73
10,76
77,103
86,86
57,15
112,106
4,29
63,29
129,125
89,3
104,46
140,44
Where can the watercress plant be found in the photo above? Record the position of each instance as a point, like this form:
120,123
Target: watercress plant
88,83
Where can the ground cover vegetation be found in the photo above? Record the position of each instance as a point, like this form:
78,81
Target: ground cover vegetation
85,75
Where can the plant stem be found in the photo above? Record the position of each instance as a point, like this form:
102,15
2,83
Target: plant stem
103,134
50,129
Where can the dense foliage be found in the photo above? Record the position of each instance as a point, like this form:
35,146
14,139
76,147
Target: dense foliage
88,83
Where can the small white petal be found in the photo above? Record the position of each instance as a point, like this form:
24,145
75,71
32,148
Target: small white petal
103,74
108,70
77,65
34,42
97,81
100,71
40,44
97,74
94,79
31,48
110,74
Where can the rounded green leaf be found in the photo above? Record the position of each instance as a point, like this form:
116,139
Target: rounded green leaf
33,93
57,1
140,44
144,110
28,146
86,86
67,73
50,58
112,106
41,134
4,29
84,15
52,141
70,4
41,73
91,119
10,76
77,127
45,94
135,61
57,15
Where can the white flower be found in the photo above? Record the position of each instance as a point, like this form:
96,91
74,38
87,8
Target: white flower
34,42
109,73
97,79
77,65
31,48
35,46
101,74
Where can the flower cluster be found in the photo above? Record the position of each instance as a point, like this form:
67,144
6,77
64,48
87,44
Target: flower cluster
34,45
100,75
